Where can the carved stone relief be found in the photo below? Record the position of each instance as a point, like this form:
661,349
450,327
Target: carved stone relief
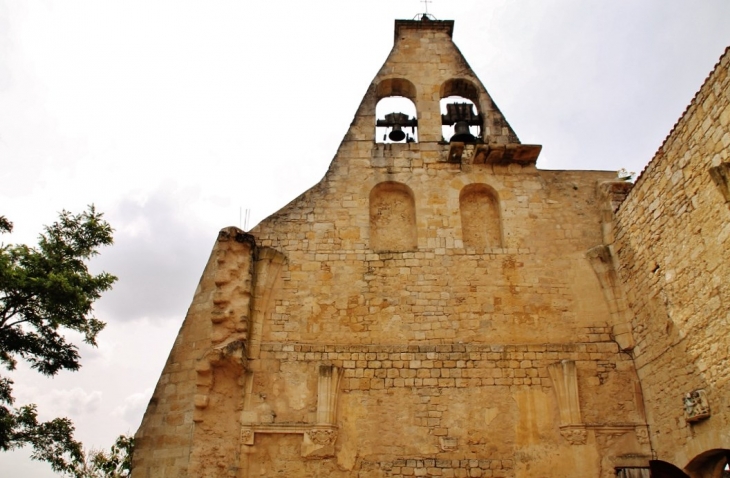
322,436
696,406
247,436
576,435
642,434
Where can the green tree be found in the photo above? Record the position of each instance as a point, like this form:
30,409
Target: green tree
45,292
116,463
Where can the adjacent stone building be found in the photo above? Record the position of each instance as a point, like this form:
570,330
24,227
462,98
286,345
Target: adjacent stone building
671,249
441,307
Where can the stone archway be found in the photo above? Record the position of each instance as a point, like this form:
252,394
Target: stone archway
710,464
663,469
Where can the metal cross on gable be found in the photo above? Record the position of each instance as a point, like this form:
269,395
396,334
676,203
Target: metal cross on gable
425,4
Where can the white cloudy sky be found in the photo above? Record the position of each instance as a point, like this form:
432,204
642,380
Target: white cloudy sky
172,116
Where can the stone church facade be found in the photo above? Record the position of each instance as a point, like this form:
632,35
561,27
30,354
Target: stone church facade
447,309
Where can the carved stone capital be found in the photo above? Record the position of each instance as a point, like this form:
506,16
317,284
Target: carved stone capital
642,434
322,437
319,443
247,435
576,435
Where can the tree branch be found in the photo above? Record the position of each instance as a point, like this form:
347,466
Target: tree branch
13,324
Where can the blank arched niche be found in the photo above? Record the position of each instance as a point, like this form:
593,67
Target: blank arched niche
392,218
395,95
459,90
481,224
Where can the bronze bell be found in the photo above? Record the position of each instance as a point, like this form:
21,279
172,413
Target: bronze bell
462,134
397,134
396,121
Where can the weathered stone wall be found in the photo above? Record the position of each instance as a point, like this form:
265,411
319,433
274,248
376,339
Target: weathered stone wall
463,404
538,288
168,444
672,243
359,333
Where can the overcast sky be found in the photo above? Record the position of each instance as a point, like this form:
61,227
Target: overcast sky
171,117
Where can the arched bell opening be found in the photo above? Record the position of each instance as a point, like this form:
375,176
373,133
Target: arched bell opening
396,120
461,118
396,117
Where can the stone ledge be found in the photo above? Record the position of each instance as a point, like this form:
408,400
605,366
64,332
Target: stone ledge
317,442
493,153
